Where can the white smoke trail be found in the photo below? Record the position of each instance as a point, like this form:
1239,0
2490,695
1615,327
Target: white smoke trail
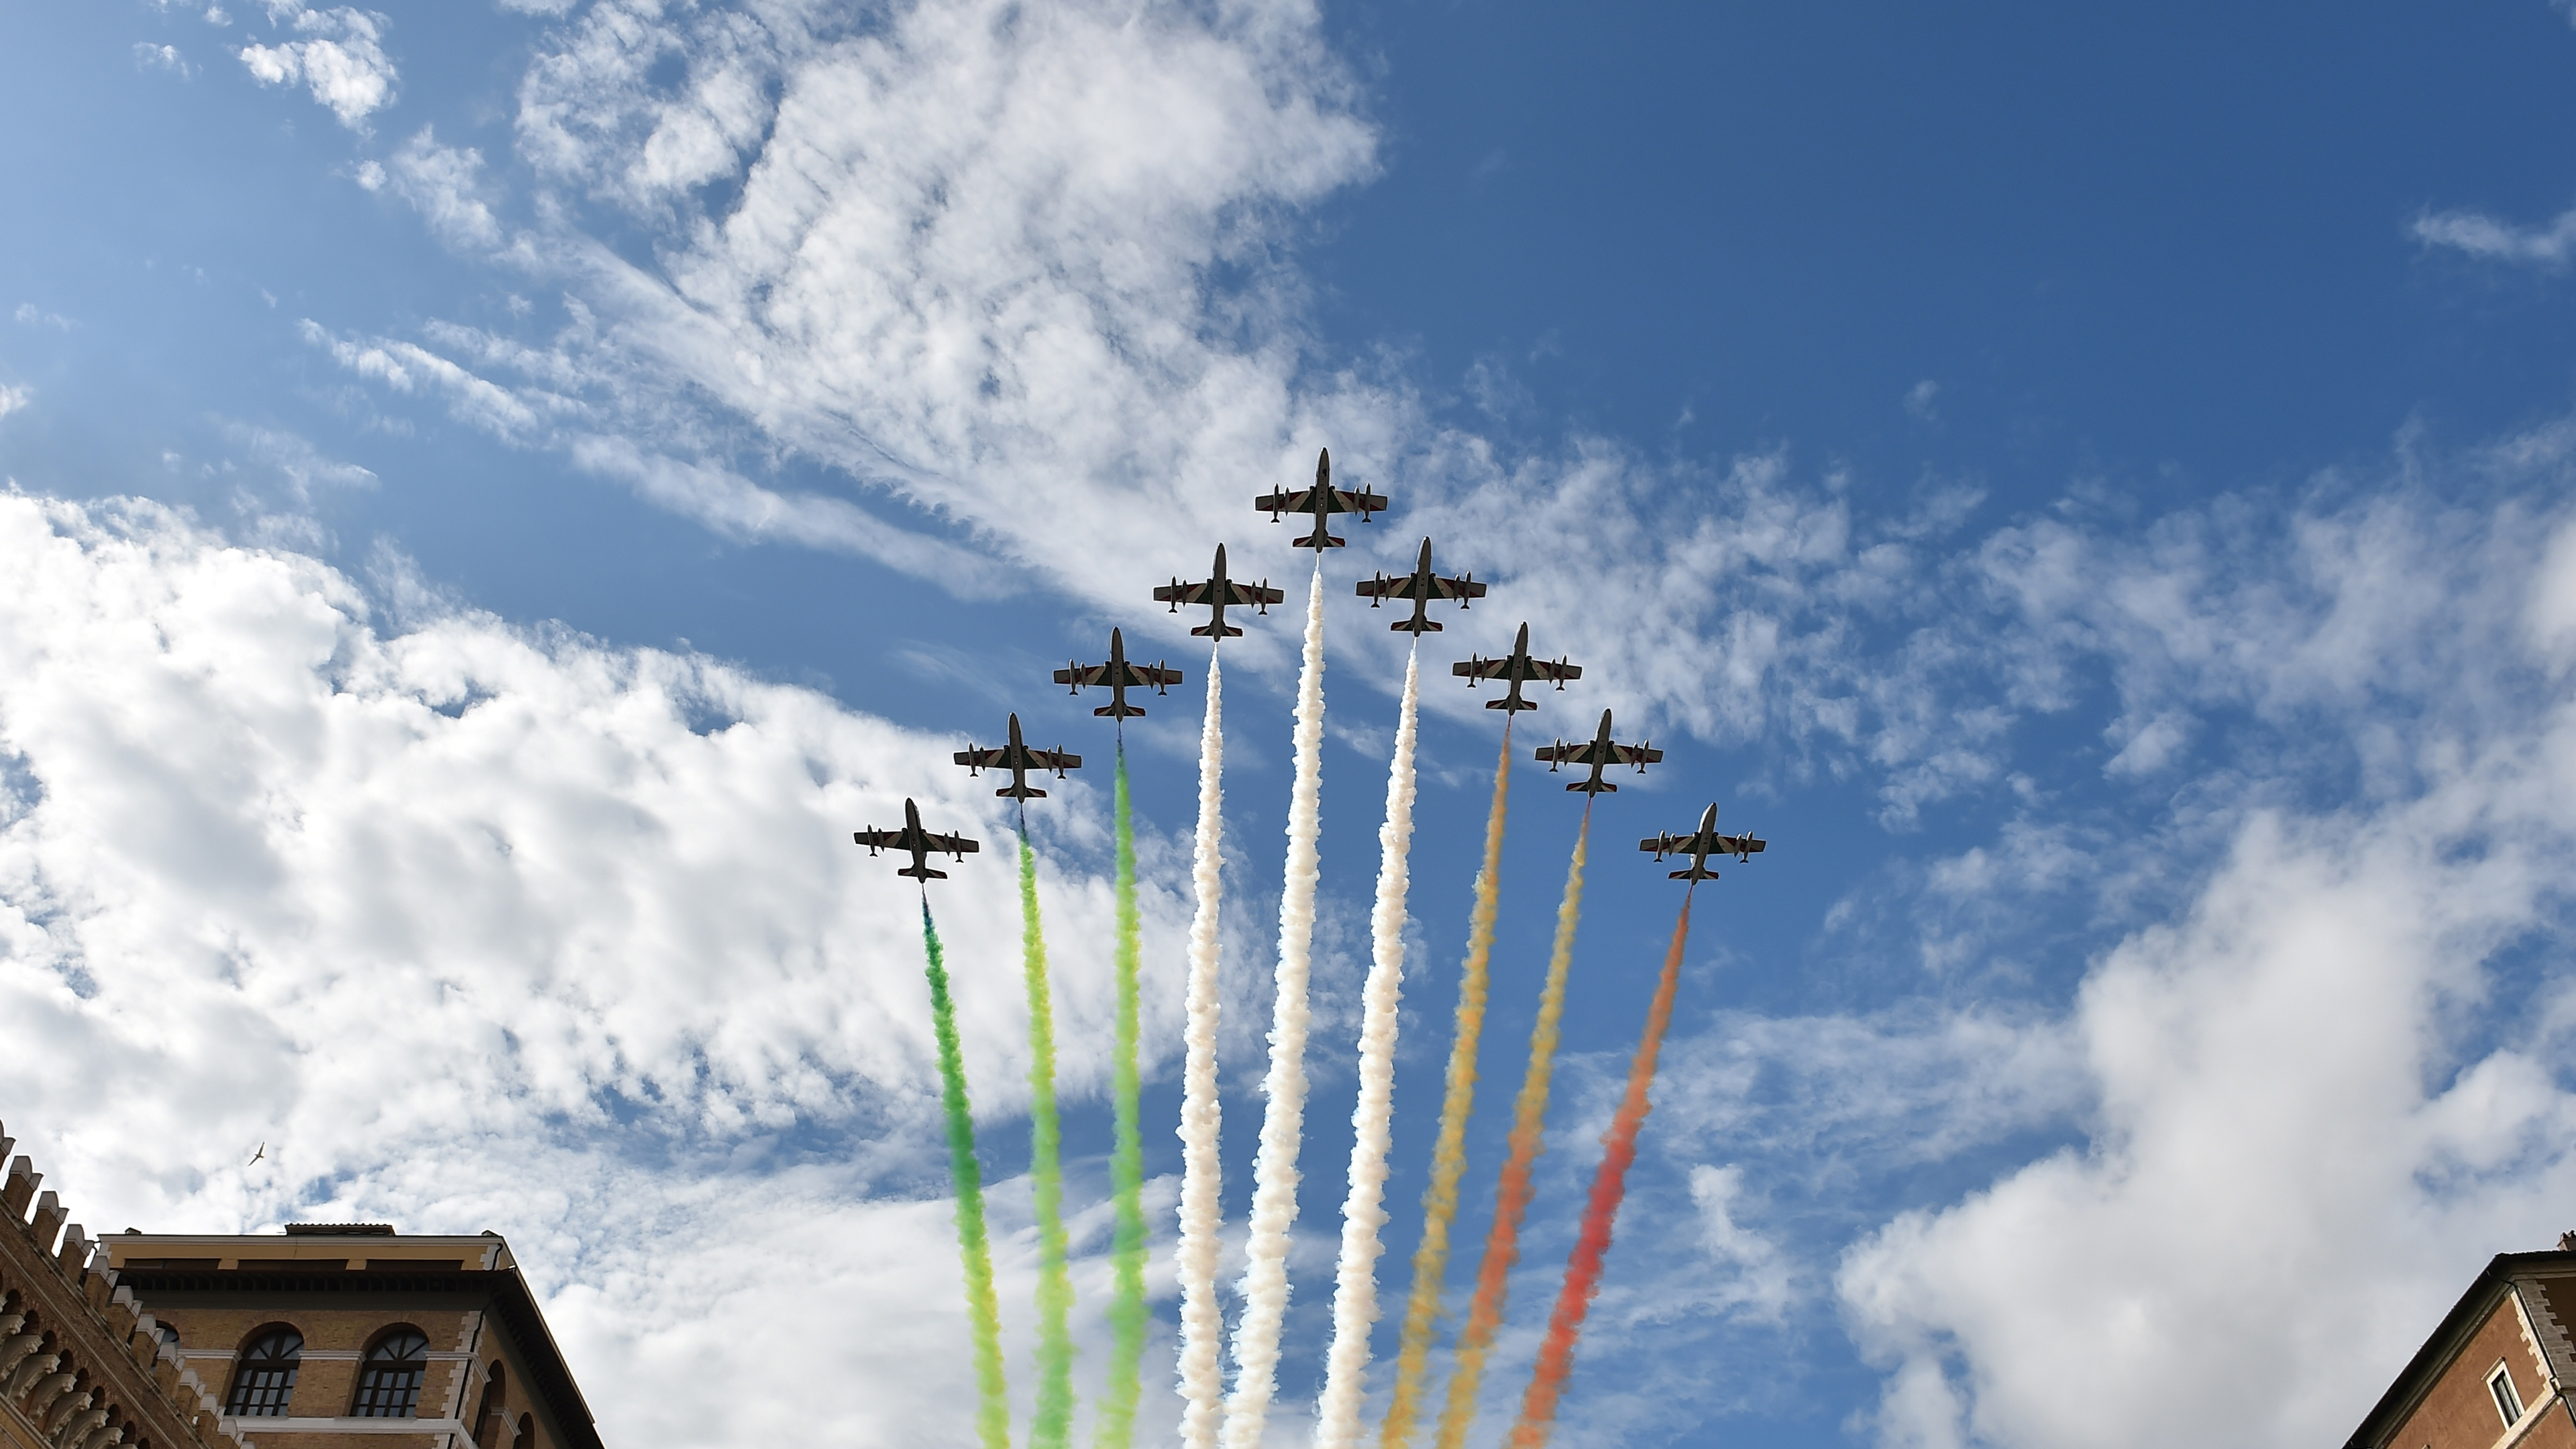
1337,1414
1202,1320
1283,1122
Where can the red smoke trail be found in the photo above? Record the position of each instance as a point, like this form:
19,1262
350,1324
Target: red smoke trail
1609,1186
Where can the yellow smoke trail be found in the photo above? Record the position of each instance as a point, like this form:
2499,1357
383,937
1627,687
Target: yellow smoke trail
1449,1154
1512,1191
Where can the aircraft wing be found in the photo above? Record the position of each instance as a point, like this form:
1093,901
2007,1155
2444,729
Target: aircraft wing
1459,588
879,839
1399,586
1741,845
947,844
1348,500
995,759
1481,668
1555,670
1156,675
1634,755
1298,500
1249,595
1058,760
1178,594
1087,673
1667,844
1580,754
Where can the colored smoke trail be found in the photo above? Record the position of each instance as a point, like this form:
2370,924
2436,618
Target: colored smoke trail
1337,1414
1512,1190
1600,1213
1202,1320
1115,1427
1449,1153
1283,1122
983,1308
1052,1420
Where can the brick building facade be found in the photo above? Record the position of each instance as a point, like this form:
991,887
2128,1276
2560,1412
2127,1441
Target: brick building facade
327,1336
2496,1372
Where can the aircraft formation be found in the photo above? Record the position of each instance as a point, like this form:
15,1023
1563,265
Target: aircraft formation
1213,1418
1219,591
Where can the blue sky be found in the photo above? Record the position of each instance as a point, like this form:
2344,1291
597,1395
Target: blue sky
501,488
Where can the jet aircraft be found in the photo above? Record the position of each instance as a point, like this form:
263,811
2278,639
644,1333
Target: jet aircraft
1321,501
1518,668
1599,752
921,843
1120,675
1700,845
1217,594
1019,759
1421,586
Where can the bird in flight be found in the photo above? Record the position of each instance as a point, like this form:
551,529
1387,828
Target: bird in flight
256,1156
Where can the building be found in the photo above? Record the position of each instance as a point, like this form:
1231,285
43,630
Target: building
325,1336
82,1366
2494,1374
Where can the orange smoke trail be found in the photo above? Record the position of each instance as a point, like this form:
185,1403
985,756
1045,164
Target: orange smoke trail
1512,1190
1609,1185
1449,1154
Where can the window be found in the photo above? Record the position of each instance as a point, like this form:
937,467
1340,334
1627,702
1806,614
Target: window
2507,1402
527,1433
492,1421
389,1380
264,1378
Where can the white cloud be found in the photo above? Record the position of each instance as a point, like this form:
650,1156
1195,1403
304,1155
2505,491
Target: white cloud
445,183
486,926
1761,1277
1919,400
2329,1059
30,315
12,398
148,56
343,63
297,461
2487,237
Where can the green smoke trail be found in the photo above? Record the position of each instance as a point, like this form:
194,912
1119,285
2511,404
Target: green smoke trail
1116,1427
1052,1422
983,1308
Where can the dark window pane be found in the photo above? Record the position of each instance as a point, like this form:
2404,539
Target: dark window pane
389,1383
264,1381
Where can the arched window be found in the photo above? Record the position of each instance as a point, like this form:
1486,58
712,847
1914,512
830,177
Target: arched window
527,1438
264,1376
492,1420
389,1379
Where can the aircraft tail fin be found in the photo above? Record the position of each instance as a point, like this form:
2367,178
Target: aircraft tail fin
1309,541
1427,626
1511,702
1594,787
1215,631
1697,872
921,872
1022,792
1120,711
